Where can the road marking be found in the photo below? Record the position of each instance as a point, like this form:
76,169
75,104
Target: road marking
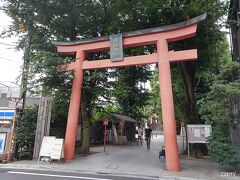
54,175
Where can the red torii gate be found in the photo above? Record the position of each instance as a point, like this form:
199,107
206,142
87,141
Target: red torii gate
159,36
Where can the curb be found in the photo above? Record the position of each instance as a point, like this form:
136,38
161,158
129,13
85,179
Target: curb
133,175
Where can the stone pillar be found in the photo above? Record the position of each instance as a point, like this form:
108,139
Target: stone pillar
169,123
72,123
43,123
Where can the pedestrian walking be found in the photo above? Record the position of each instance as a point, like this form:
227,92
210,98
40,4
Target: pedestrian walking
148,132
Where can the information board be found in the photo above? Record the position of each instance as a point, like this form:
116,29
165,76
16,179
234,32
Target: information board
52,148
46,147
198,133
116,47
57,150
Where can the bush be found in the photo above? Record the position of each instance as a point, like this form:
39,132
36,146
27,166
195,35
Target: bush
223,153
218,109
26,129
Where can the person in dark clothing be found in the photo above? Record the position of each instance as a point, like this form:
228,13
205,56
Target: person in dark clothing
148,132
162,152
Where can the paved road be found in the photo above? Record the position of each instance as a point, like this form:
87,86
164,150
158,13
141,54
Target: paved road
24,174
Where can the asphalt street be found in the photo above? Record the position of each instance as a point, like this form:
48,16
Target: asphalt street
24,174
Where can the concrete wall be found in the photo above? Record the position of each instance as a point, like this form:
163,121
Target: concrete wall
30,101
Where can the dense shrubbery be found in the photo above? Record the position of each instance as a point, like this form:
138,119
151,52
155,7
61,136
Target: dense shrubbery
218,109
25,132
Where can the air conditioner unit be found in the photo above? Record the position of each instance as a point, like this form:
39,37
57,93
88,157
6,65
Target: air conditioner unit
5,94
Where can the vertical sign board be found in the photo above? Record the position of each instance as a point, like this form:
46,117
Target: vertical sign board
47,147
116,47
2,142
57,150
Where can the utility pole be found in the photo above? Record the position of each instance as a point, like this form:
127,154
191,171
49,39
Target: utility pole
25,70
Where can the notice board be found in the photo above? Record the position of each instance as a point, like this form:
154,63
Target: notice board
57,150
198,133
51,148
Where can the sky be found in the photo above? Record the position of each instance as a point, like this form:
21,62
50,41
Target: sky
11,60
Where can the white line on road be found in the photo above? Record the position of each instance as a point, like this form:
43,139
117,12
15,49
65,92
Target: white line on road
54,175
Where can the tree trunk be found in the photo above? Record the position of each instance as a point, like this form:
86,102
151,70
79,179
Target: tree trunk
187,70
85,121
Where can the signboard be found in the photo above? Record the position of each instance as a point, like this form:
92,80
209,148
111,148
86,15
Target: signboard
198,133
52,148
57,150
7,114
2,142
116,47
47,146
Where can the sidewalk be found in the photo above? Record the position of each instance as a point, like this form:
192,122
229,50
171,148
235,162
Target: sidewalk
131,160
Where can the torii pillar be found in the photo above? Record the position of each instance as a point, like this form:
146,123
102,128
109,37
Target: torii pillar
160,36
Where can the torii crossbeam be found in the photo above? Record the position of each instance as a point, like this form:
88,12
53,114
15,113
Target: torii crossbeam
159,36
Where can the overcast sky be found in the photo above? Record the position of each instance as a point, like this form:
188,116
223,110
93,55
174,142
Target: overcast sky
10,59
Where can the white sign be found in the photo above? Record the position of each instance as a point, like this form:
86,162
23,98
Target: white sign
198,133
57,150
2,142
51,148
47,146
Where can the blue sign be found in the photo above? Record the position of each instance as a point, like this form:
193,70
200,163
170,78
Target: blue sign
7,114
116,47
2,142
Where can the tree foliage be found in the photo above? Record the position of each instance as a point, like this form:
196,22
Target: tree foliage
221,109
130,92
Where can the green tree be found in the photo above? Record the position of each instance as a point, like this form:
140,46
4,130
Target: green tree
64,20
221,109
153,108
130,92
